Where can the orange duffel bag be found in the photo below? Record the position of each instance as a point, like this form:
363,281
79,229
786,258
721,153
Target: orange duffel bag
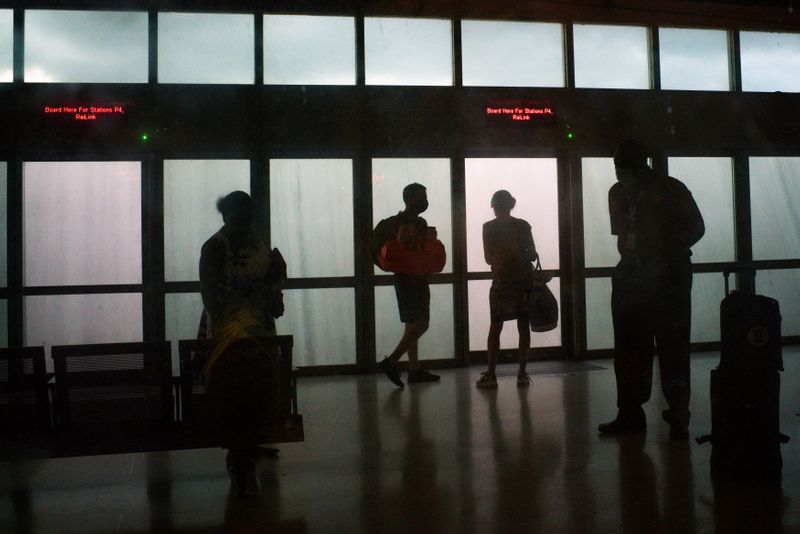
424,257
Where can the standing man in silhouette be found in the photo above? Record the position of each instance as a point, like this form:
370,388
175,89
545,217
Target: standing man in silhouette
656,222
413,292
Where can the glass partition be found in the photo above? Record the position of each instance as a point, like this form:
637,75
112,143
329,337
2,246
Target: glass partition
6,45
512,54
694,59
775,207
191,190
86,46
770,61
613,57
82,223
206,48
599,325
401,51
600,246
182,319
783,285
306,50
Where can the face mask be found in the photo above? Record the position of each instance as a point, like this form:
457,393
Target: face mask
625,176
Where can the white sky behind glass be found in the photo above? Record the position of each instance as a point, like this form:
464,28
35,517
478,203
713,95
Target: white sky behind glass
301,49
400,51
533,182
775,208
3,224
311,215
86,46
770,61
182,317
512,54
600,247
6,45
694,59
783,285
206,48
191,190
391,175
710,181
599,326
437,343
479,319
82,223
613,57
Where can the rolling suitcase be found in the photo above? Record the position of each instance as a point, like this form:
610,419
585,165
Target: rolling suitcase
745,390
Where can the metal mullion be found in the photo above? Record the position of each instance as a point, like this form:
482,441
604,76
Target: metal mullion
14,215
109,289
458,74
655,58
579,310
569,55
459,255
153,296
742,220
258,57
364,294
735,58
360,51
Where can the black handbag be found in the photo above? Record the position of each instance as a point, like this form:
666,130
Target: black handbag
542,304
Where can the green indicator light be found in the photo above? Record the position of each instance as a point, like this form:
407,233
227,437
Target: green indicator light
569,135
145,137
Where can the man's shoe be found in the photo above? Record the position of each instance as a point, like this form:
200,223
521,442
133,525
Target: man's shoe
487,381
421,375
523,380
624,425
678,428
391,372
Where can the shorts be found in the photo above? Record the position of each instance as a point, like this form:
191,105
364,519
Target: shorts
509,302
413,298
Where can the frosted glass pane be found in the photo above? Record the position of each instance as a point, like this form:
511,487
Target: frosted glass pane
600,247
182,317
784,286
694,59
512,54
3,323
86,46
82,223
206,48
599,326
509,339
311,214
79,319
534,183
390,176
3,224
615,57
402,51
711,182
6,45
191,190
708,290
322,322
770,61
775,207
436,344
300,49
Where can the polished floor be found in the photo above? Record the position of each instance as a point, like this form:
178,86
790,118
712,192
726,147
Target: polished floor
432,458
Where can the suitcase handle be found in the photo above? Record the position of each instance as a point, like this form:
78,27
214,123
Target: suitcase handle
744,270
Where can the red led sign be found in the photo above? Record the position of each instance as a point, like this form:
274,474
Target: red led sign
83,113
520,111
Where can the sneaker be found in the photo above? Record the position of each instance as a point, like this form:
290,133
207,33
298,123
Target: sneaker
391,372
421,375
523,380
625,424
487,381
678,428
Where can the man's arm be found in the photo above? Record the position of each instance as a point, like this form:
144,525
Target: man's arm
212,266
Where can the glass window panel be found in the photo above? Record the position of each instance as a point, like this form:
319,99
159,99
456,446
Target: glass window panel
191,190
182,318
784,286
479,320
79,319
82,223
322,322
694,59
600,247
402,51
86,46
300,49
711,182
3,224
599,326
436,344
534,183
390,176
708,290
6,45
512,54
206,48
770,61
311,213
775,207
3,323
615,57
